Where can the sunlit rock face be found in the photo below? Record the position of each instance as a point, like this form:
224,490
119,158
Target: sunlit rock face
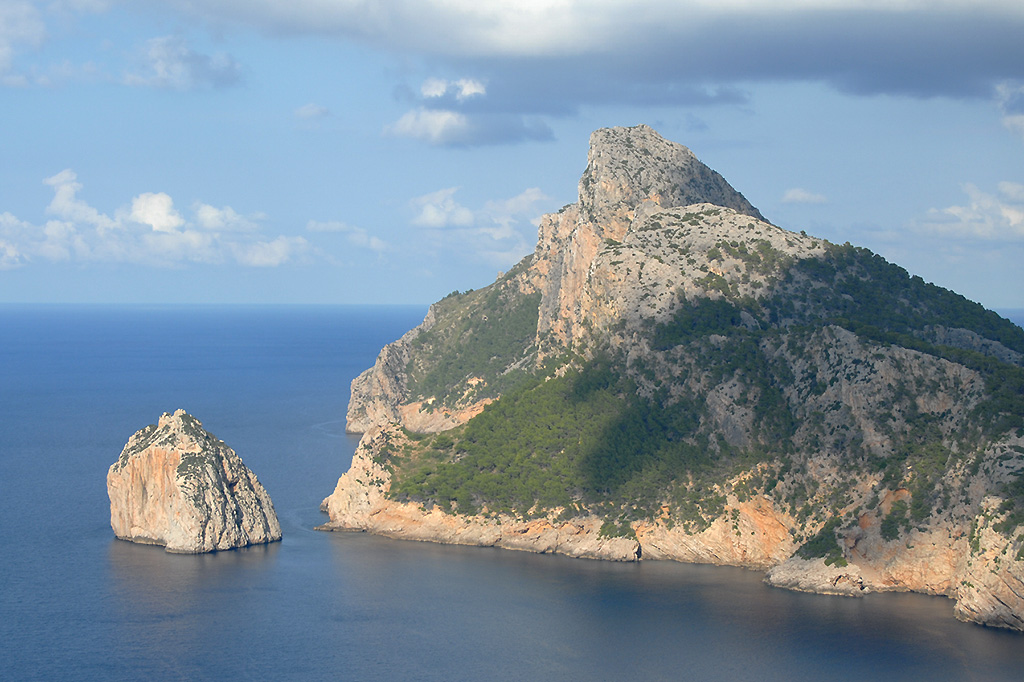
175,484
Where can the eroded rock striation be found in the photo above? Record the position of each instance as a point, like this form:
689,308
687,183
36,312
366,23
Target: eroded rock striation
670,376
175,484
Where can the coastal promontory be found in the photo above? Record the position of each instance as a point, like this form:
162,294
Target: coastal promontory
177,485
671,376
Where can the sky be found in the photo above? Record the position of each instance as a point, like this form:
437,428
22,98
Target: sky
344,151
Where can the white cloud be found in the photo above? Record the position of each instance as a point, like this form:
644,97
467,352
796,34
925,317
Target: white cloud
436,126
542,27
157,211
148,231
434,87
798,195
507,215
270,254
20,25
10,255
23,27
1014,191
444,116
169,62
467,87
356,236
1010,100
68,206
998,216
463,89
172,247
439,209
524,202
505,220
445,127
312,111
499,233
497,217
1015,124
60,239
224,219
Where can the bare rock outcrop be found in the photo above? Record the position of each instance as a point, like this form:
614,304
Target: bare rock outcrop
628,166
378,391
630,173
814,575
175,484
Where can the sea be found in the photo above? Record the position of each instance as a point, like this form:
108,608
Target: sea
273,383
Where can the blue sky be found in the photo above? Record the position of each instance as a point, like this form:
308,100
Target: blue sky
339,151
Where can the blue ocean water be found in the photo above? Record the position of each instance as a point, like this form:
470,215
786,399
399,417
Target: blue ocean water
75,603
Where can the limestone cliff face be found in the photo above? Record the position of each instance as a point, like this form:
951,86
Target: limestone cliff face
630,172
989,583
962,557
378,392
627,167
822,415
177,485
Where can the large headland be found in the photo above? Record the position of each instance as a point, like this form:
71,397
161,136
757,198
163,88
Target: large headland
670,376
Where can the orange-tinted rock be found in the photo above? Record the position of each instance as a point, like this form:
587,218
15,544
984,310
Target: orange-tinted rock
175,484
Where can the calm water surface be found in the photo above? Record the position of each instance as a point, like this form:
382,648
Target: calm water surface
273,383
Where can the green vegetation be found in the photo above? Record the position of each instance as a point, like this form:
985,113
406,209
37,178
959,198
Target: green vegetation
480,335
762,259
634,435
1013,505
610,529
706,316
143,440
860,291
895,520
582,440
824,544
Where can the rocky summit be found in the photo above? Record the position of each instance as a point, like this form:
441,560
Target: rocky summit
175,484
670,376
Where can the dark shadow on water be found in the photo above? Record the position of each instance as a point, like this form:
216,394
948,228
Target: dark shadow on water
562,618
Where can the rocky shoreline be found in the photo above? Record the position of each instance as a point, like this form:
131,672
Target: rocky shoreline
987,589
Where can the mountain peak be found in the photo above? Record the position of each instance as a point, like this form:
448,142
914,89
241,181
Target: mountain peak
628,166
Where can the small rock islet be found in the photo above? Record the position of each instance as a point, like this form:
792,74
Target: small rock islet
177,485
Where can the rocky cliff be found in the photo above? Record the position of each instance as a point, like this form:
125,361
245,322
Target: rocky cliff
669,376
177,485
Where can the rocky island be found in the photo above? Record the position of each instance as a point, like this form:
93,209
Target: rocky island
175,484
670,376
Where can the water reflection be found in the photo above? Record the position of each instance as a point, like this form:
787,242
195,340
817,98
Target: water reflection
563,618
180,613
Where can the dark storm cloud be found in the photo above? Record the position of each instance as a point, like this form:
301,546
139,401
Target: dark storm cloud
675,52
956,56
